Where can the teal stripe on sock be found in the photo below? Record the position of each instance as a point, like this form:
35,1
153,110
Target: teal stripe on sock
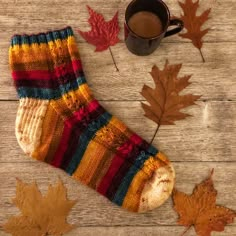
46,93
84,140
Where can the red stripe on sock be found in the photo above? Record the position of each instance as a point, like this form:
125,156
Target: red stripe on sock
69,124
46,74
77,65
117,161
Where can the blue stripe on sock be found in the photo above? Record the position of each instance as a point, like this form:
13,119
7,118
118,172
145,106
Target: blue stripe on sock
138,164
84,140
46,93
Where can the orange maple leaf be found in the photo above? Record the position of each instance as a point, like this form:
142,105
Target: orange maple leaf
41,215
193,23
165,101
200,210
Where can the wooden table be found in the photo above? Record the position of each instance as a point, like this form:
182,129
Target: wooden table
196,145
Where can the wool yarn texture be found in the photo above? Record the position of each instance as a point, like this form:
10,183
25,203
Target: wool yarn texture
60,122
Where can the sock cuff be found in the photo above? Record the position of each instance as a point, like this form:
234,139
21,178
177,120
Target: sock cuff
42,37
45,65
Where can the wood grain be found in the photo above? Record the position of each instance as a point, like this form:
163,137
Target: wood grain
144,231
196,145
42,15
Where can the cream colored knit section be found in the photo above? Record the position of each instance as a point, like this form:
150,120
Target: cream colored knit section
29,121
157,190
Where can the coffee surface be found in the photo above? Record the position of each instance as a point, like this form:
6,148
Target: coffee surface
145,24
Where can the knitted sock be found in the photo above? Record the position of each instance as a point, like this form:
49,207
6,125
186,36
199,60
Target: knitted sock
61,123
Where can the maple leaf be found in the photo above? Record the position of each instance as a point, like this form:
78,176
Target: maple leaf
193,23
200,210
165,101
102,34
41,215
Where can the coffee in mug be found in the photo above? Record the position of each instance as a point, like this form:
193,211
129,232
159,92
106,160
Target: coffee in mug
146,24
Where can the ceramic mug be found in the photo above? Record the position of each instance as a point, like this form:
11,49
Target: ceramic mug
141,45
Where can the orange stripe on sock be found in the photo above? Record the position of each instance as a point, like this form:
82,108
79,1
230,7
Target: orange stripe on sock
56,140
132,198
116,129
101,169
49,125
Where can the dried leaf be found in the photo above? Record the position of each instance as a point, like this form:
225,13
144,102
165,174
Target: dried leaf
193,23
200,210
165,101
40,215
102,34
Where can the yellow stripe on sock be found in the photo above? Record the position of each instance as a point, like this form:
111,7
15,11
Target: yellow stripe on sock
70,102
90,161
40,52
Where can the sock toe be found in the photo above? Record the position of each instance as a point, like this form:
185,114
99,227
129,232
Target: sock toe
158,189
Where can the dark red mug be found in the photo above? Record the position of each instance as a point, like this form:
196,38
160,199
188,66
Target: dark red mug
143,46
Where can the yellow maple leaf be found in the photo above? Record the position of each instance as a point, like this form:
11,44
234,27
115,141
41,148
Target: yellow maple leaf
40,215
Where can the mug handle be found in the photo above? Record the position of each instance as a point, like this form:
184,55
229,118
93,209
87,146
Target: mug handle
180,25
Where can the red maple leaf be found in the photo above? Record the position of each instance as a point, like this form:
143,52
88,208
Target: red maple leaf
102,34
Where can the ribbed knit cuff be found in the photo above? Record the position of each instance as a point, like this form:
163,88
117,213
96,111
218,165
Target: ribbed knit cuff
41,37
45,65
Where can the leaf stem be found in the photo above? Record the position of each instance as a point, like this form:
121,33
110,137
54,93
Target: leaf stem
113,59
203,59
155,134
186,230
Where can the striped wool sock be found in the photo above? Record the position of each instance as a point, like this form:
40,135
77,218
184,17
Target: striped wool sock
61,123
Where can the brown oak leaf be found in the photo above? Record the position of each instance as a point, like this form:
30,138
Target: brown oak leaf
193,23
165,101
40,215
103,34
200,210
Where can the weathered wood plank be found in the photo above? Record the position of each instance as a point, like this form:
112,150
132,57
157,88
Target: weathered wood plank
206,136
137,231
196,145
47,15
144,231
214,80
93,209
